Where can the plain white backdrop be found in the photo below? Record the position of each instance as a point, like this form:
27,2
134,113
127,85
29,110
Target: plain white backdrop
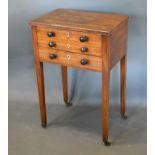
4,78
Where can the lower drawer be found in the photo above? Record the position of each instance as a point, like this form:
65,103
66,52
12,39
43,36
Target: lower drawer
71,59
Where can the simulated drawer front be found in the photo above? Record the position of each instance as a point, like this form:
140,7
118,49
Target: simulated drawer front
77,42
71,59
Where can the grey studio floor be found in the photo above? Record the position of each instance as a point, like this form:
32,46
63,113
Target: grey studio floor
75,130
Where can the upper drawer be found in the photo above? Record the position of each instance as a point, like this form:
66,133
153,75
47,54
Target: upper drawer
78,42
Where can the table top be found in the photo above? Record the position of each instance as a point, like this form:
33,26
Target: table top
82,20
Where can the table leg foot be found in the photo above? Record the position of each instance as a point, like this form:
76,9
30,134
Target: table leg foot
124,116
43,125
68,104
106,143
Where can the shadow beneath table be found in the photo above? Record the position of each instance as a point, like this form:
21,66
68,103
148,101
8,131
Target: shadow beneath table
87,118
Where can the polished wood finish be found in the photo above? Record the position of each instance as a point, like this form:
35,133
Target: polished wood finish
105,93
80,20
104,39
123,65
118,43
71,59
69,40
40,78
64,83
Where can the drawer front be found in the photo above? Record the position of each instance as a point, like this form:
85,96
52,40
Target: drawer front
70,41
71,59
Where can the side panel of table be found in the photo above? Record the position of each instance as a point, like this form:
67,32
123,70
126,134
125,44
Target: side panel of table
118,53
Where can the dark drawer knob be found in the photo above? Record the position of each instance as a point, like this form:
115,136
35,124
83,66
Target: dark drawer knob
51,34
53,56
84,61
83,38
84,49
52,44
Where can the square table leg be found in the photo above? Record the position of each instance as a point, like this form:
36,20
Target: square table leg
41,92
123,66
65,84
40,78
105,107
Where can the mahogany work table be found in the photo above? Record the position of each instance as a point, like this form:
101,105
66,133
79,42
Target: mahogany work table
83,39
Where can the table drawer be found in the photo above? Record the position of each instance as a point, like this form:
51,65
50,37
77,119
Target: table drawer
71,59
69,40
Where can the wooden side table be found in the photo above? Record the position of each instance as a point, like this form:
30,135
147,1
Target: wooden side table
86,40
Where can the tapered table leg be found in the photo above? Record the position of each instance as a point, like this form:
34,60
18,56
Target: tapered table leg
105,107
123,64
65,84
41,93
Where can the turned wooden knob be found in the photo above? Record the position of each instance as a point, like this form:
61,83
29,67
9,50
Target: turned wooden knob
51,44
51,34
53,56
84,61
83,38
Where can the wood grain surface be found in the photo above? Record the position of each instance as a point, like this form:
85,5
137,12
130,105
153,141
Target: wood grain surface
64,83
107,45
118,43
40,78
69,40
80,20
71,59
